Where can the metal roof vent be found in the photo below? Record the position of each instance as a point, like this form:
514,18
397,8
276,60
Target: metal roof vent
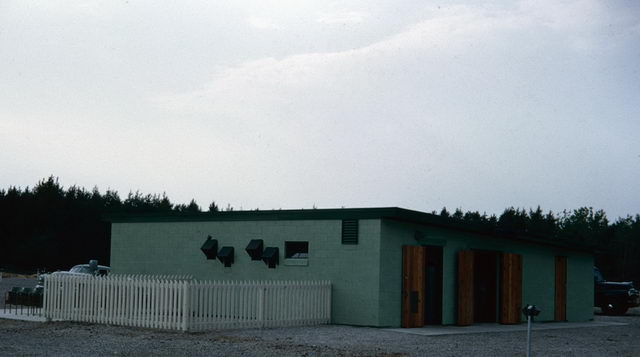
270,256
226,256
210,248
255,249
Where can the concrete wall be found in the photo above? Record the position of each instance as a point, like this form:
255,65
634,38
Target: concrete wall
580,287
174,248
538,271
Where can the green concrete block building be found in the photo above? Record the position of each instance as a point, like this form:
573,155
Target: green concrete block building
388,266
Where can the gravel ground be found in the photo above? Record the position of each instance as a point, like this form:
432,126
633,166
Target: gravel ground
79,339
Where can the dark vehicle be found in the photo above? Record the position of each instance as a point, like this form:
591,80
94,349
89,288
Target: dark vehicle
614,298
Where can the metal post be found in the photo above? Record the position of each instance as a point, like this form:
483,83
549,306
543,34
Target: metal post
529,336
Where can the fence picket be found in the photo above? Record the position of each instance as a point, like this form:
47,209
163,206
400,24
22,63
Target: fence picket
172,305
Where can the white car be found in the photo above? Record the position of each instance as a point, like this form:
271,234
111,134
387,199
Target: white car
92,269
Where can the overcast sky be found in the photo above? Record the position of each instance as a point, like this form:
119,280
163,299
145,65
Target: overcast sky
290,104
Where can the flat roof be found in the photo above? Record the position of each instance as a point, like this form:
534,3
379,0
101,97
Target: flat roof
390,213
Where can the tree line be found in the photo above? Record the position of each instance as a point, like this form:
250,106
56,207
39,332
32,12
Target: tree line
50,227
616,244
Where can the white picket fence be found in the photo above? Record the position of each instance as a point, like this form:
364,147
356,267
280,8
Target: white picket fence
181,303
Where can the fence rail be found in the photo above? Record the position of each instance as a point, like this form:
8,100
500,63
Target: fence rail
180,303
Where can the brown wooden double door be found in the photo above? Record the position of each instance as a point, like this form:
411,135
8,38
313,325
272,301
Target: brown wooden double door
489,287
421,286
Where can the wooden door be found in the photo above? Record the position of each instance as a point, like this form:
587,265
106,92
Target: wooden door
511,288
413,286
465,287
561,289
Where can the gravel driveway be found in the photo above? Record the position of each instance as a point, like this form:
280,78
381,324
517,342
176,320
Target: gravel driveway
80,339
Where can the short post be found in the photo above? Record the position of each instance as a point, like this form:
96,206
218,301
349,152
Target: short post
530,311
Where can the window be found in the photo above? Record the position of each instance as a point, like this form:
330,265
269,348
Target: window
296,250
81,269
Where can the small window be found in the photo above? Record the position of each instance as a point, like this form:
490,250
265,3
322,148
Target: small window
296,250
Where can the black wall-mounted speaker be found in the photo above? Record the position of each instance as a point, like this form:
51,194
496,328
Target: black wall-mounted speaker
210,248
255,249
225,256
270,256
